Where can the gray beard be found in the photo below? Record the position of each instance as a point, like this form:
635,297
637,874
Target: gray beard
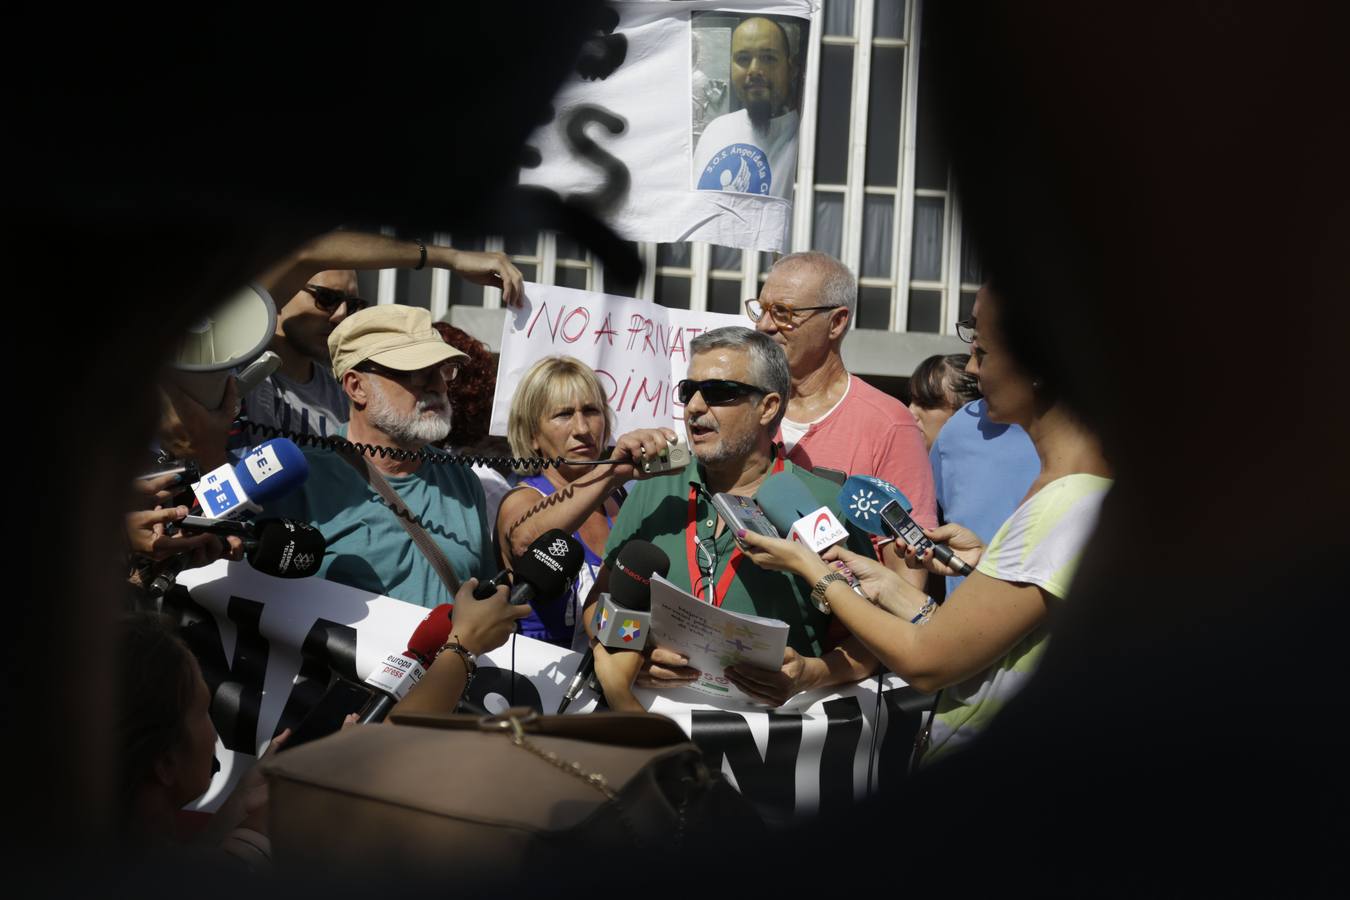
413,428
726,450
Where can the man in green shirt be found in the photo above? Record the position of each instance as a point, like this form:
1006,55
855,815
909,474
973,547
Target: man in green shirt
735,394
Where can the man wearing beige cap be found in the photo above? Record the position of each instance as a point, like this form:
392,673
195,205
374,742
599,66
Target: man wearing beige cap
393,368
315,288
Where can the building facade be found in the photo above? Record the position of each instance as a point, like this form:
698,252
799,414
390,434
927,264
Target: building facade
873,189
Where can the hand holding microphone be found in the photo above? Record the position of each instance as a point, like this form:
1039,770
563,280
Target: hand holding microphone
963,549
649,452
482,625
148,535
479,621
621,621
282,548
879,507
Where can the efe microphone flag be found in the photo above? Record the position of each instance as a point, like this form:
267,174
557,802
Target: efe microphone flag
268,471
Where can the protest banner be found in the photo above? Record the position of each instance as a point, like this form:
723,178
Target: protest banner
638,349
269,649
680,122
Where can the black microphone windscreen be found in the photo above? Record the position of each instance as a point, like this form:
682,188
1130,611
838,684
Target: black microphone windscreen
630,583
287,548
550,563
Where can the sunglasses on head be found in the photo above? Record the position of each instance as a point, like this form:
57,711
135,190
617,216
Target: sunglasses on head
716,391
328,299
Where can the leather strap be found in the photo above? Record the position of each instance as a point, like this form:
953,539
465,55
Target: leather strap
373,477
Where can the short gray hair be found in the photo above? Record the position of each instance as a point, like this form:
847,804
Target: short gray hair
768,362
838,287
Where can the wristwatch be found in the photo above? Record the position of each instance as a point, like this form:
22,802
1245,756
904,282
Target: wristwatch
818,592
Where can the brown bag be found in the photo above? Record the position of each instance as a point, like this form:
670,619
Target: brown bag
497,796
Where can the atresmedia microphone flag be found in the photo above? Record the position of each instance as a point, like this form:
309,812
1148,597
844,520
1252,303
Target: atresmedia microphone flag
879,507
623,615
282,548
398,673
547,566
268,471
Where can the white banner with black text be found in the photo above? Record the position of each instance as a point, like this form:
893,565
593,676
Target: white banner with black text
270,649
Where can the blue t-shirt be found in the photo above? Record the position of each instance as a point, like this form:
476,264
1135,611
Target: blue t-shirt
981,471
368,548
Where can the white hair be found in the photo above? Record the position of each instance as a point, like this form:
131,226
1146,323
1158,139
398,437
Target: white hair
413,427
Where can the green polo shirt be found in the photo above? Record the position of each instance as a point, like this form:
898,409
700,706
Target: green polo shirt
657,510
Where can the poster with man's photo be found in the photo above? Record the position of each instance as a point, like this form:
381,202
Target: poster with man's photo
746,89
680,122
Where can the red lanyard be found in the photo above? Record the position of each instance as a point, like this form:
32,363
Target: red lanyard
691,548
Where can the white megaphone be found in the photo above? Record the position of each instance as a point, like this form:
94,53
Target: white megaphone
232,334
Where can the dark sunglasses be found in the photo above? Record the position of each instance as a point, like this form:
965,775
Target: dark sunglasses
716,391
329,300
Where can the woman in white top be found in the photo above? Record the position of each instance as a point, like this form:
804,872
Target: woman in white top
982,643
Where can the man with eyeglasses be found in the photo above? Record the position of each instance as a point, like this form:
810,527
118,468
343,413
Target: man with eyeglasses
393,368
733,399
834,419
316,289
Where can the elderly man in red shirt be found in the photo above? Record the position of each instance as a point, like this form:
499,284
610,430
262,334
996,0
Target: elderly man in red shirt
835,419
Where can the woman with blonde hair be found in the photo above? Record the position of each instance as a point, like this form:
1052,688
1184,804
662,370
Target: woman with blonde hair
559,410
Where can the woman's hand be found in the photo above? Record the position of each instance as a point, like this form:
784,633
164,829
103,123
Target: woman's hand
637,445
483,625
880,584
964,544
148,493
147,536
781,555
876,580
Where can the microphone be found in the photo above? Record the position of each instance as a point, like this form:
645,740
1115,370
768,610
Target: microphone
394,677
879,507
282,548
487,588
797,515
268,471
547,566
623,616
793,511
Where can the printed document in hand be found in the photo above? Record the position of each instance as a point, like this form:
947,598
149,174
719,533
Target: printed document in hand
714,638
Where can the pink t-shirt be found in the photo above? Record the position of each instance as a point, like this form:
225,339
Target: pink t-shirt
871,433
